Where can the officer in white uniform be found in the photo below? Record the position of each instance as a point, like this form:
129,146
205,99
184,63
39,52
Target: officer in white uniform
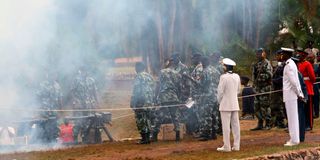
291,92
228,90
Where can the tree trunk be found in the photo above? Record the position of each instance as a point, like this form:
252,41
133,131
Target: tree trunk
259,11
160,33
172,26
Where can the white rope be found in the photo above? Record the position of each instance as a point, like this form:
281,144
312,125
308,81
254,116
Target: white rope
123,116
90,110
121,109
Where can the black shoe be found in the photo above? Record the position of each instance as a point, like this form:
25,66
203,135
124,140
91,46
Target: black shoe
204,139
257,128
213,136
267,128
154,137
308,129
281,126
147,138
143,139
177,136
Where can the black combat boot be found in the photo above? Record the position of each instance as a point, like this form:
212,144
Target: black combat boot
281,125
213,135
268,125
177,136
154,137
143,139
259,126
147,138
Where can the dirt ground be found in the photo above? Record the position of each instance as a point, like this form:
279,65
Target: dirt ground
123,128
252,144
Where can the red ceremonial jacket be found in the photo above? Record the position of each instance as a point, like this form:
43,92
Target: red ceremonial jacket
306,69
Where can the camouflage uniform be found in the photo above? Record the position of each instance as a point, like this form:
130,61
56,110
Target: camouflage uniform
50,97
195,93
217,72
185,92
84,92
262,74
169,89
207,100
185,87
142,96
277,105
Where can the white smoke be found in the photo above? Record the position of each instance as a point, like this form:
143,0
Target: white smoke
26,30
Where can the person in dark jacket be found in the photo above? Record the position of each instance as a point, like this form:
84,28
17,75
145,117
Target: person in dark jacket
247,100
301,103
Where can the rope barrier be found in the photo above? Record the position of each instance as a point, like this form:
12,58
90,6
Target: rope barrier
121,109
123,116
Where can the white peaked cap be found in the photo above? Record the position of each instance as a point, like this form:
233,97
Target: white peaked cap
287,49
228,61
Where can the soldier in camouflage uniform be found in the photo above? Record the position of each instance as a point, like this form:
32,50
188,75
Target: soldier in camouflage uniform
181,69
142,96
217,67
185,88
277,105
195,71
207,100
84,95
50,97
262,74
169,90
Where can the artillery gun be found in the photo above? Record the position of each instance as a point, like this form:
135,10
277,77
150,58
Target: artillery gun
45,130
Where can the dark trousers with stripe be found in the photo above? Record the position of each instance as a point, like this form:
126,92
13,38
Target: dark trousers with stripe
316,100
309,112
302,119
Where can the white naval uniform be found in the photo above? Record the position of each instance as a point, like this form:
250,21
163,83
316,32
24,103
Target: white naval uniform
291,91
228,90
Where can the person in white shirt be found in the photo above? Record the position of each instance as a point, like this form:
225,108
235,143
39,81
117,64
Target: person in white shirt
291,92
228,90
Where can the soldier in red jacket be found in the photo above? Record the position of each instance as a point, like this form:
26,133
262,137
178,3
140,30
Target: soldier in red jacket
307,71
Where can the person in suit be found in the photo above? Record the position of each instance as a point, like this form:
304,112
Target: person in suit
301,103
228,90
291,92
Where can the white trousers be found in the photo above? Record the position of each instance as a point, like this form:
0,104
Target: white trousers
293,120
230,118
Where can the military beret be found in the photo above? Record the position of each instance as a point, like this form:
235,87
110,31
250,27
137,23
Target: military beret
195,55
175,56
279,51
260,50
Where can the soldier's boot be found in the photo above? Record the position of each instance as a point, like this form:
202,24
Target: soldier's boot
281,124
177,136
207,136
143,139
154,137
268,125
259,126
147,138
213,135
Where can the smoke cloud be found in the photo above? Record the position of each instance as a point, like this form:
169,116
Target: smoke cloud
41,37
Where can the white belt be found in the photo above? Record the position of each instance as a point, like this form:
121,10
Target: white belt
306,78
